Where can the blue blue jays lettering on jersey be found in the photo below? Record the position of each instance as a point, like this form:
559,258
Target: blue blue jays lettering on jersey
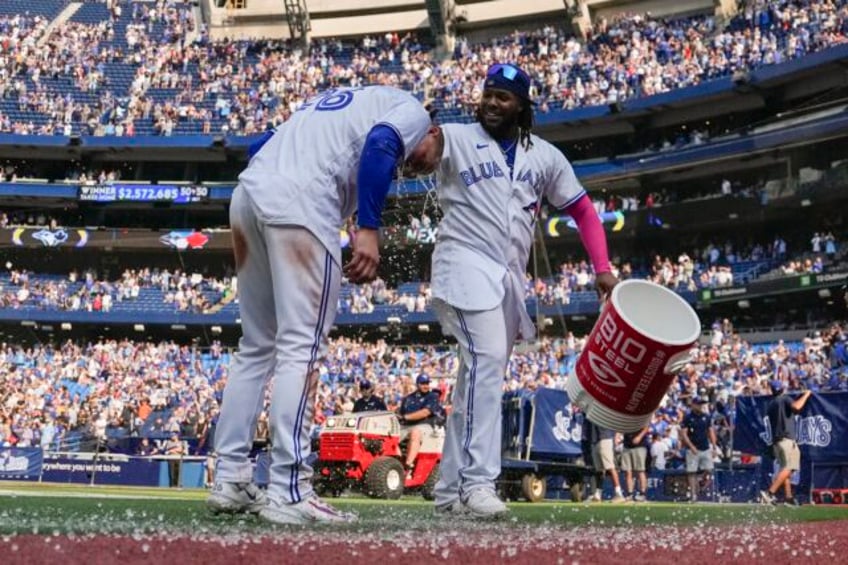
481,171
532,178
490,169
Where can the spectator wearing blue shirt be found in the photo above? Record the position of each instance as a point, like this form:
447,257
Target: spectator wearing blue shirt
368,402
781,416
418,412
699,438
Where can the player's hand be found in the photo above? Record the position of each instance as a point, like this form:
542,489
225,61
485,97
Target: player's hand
604,283
363,265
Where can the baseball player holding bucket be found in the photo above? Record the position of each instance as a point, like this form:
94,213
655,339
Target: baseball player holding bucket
492,178
642,338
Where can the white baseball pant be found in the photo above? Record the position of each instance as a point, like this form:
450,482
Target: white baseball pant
288,295
471,457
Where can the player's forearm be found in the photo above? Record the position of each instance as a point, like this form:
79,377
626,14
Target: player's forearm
380,156
591,233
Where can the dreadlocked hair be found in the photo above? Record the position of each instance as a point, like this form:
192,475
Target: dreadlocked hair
525,126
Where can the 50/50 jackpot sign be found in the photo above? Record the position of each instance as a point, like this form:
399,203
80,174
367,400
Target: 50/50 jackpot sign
143,193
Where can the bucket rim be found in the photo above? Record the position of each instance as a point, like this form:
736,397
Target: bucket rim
692,315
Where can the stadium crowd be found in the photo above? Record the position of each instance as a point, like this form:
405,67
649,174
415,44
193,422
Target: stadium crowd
711,266
117,389
185,292
186,83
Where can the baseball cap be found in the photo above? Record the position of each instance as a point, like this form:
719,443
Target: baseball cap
505,76
776,385
422,379
363,384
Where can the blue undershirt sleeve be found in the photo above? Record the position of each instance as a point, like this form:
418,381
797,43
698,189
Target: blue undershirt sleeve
381,154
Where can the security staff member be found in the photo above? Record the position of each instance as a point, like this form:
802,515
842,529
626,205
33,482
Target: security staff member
368,402
699,438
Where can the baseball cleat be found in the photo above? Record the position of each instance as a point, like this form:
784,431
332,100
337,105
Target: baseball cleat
236,498
311,510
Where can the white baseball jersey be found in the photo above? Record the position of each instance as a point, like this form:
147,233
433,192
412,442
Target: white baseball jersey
489,218
305,175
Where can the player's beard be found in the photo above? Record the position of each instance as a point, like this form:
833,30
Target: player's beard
502,127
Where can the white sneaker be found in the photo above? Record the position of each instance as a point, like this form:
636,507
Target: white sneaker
767,498
484,503
596,497
308,511
639,498
618,499
236,498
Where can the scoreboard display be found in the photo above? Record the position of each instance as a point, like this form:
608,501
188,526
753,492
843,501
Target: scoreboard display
144,193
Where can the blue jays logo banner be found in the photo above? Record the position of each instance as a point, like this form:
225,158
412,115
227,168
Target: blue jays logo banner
822,427
21,463
49,237
556,430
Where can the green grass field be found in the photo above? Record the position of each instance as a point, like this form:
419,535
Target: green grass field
70,509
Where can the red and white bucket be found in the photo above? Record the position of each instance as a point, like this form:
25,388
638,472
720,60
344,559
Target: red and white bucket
642,338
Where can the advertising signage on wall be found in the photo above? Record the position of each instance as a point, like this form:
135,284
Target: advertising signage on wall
779,285
40,237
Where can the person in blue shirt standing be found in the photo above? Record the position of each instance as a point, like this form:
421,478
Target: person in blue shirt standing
699,438
368,402
418,412
781,412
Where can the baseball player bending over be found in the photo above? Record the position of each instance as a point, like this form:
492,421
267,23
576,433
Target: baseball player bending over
338,150
492,178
